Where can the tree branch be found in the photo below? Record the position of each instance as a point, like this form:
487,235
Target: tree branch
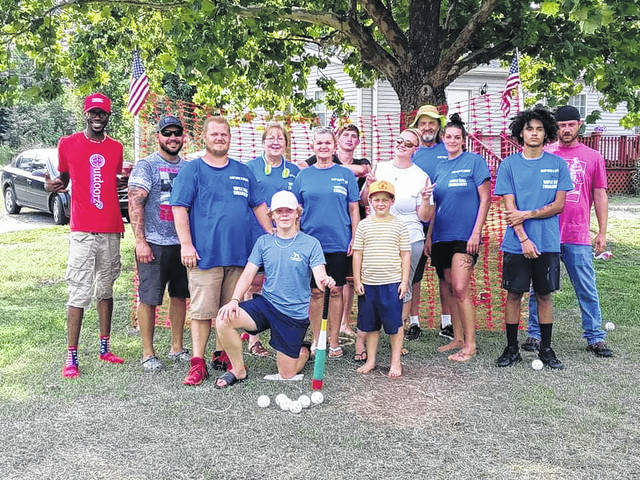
392,33
461,43
478,57
371,52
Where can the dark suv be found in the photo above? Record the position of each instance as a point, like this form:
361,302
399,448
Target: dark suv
23,186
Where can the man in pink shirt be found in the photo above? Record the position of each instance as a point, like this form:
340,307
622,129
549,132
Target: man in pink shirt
589,178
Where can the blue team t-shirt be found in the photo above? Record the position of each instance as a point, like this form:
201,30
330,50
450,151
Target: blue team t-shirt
325,195
220,202
271,183
456,196
534,183
287,266
427,158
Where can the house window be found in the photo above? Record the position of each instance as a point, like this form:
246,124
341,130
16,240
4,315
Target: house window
580,102
320,110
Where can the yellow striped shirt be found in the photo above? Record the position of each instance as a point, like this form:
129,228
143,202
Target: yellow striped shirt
381,241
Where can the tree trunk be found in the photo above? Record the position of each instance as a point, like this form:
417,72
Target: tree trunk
416,90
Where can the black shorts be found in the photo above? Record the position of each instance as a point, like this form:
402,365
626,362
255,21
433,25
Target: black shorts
419,273
518,273
166,268
337,268
442,253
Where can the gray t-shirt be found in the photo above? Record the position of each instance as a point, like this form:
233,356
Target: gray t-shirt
155,175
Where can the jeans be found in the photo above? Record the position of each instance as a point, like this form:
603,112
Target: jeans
578,259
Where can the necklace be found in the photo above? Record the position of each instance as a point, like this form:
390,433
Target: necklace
94,141
275,239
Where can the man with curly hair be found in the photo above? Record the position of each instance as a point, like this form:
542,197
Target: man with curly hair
534,184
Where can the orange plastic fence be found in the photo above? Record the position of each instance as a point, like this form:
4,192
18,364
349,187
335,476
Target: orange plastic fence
377,138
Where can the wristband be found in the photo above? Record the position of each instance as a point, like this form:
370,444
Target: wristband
237,300
522,241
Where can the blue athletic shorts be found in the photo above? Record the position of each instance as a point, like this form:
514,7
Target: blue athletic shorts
380,306
287,333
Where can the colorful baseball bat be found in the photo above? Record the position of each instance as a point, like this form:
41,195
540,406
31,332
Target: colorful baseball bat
320,362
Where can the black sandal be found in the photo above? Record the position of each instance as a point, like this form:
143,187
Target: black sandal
229,379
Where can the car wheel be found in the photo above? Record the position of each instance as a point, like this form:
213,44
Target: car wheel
10,204
59,218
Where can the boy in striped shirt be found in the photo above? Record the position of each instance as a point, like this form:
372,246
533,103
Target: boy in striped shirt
381,268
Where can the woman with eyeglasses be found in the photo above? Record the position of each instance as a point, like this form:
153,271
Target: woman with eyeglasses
461,197
413,195
274,174
329,196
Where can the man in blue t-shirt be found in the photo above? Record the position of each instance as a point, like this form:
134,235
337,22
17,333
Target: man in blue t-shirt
289,258
157,245
534,185
429,121
214,200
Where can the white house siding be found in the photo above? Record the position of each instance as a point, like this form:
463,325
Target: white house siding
463,95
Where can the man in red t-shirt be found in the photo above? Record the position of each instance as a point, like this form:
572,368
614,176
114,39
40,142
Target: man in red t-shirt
91,160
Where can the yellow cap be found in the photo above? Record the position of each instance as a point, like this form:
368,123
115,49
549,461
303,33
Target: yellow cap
429,111
382,186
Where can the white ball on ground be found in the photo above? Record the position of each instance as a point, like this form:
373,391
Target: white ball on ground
279,398
317,398
537,364
305,401
609,326
295,406
263,401
284,404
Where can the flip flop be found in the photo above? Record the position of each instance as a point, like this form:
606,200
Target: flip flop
258,350
230,379
360,357
335,352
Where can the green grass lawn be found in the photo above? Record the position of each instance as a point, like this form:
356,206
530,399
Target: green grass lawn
441,420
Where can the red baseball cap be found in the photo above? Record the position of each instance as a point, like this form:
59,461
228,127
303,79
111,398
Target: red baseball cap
97,100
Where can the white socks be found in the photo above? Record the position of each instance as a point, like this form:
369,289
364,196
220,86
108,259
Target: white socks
445,321
414,320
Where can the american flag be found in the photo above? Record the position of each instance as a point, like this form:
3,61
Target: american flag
139,86
512,83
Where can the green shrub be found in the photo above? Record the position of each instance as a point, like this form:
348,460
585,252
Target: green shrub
6,154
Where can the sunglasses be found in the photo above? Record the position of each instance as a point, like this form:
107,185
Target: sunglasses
406,143
168,133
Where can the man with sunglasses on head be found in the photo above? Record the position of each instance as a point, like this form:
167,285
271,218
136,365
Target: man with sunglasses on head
157,243
92,161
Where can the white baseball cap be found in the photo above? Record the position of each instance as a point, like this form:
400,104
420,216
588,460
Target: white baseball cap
284,199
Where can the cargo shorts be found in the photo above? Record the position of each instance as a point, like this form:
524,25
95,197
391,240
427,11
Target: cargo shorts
92,267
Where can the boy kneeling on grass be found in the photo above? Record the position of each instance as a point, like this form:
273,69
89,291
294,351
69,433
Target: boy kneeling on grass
289,257
381,268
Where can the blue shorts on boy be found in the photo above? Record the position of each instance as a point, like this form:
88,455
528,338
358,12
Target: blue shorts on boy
380,306
287,333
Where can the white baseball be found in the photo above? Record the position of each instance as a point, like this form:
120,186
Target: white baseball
537,364
304,400
279,398
609,326
263,401
284,404
317,398
295,406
